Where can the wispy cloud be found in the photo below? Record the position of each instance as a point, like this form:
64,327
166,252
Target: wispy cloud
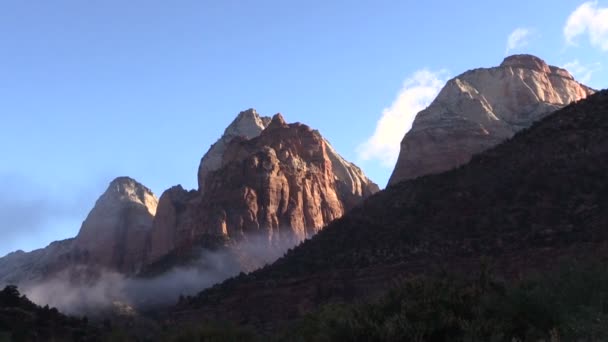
582,72
518,38
588,19
416,94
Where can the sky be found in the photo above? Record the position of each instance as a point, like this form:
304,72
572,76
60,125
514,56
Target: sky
92,90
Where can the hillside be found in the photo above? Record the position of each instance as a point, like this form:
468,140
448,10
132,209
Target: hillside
540,197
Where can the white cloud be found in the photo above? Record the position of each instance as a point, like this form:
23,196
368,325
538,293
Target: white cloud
518,39
416,94
581,72
590,19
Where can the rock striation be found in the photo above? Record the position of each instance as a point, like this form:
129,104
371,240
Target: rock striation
481,108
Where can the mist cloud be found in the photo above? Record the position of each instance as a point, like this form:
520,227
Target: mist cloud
101,295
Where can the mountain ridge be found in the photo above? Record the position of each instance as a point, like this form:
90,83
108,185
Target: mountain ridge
129,230
538,197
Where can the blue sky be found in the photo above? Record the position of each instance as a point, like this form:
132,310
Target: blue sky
91,90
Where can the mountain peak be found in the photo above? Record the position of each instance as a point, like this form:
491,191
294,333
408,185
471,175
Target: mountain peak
480,108
526,61
281,186
114,232
127,189
247,124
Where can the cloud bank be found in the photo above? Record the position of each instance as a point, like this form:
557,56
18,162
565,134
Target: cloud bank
589,19
416,94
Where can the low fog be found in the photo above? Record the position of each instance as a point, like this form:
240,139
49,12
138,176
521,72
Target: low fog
111,291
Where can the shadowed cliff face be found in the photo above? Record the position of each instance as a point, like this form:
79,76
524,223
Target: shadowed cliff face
284,185
481,108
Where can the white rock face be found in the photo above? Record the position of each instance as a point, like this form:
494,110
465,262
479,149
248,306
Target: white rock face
115,231
248,124
481,108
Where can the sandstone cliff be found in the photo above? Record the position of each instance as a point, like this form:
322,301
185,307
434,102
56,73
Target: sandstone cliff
481,108
268,180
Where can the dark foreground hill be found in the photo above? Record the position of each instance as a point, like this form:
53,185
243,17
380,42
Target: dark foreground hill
523,206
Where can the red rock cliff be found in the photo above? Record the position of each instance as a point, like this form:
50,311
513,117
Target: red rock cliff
284,184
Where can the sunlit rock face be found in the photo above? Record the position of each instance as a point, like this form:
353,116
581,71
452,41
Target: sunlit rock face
114,234
264,178
481,108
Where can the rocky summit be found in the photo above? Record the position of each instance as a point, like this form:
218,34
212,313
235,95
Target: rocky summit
264,179
481,108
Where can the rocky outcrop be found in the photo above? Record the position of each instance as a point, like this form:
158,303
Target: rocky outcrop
114,233
283,184
481,108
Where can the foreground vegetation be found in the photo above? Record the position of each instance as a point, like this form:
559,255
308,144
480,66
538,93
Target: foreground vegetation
568,305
